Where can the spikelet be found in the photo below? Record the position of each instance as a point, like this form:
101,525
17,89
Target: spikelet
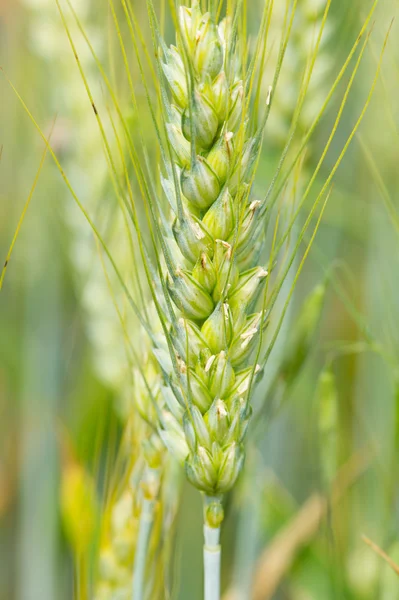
306,27
120,525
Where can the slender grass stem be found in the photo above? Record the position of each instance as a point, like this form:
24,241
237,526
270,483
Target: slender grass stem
212,560
212,547
151,485
146,521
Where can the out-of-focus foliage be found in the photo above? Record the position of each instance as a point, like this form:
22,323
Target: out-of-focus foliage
321,466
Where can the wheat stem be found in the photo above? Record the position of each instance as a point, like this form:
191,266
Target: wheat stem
213,517
150,484
212,559
145,526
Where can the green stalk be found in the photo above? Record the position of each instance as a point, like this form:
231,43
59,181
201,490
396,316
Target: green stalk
212,558
212,551
150,484
140,559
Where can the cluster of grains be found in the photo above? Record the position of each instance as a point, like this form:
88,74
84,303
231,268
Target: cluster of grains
76,137
306,27
148,495
119,541
137,497
116,557
219,232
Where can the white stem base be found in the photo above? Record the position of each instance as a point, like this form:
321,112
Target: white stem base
212,561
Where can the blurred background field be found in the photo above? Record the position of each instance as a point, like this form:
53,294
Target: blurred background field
62,374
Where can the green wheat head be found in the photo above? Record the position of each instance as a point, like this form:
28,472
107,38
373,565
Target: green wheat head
215,240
